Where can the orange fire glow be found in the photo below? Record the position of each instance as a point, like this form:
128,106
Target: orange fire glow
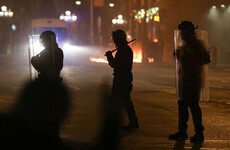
155,40
151,60
98,60
137,55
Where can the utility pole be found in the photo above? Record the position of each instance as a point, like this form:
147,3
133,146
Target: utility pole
91,22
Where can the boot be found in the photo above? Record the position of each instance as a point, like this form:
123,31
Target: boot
131,126
198,137
178,136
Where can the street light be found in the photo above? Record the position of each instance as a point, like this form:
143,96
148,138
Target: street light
5,12
118,20
4,8
68,16
222,6
78,2
111,4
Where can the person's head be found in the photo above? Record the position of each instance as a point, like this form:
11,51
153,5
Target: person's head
47,38
187,29
119,37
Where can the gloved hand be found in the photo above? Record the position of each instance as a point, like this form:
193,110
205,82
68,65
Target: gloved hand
108,53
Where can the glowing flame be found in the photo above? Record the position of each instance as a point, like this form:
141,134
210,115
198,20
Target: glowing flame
155,40
137,54
151,60
98,60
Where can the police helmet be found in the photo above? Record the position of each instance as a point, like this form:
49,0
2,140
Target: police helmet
187,25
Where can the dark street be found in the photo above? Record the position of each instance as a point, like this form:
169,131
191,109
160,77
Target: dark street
154,97
115,74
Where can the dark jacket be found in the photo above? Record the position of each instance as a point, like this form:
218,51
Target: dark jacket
122,64
48,63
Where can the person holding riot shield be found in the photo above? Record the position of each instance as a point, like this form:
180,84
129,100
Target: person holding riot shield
122,81
191,56
49,62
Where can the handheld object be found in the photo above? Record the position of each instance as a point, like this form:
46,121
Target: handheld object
117,48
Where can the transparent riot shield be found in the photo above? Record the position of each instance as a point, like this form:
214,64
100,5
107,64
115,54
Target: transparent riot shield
34,48
204,93
178,43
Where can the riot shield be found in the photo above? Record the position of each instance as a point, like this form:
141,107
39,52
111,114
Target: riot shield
204,93
178,43
34,48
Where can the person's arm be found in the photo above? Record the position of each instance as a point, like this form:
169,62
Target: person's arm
35,61
110,59
38,61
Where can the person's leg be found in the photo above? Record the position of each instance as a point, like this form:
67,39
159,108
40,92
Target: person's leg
196,115
122,93
183,118
129,107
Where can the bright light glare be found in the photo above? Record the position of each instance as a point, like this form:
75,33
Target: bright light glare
1,14
78,2
111,5
213,14
67,18
151,60
6,14
67,46
68,13
114,21
11,14
120,21
13,27
62,17
137,56
156,18
120,16
74,18
75,49
222,5
38,47
4,8
70,48
98,60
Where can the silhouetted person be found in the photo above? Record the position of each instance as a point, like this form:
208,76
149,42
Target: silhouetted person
191,56
34,121
122,81
49,62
